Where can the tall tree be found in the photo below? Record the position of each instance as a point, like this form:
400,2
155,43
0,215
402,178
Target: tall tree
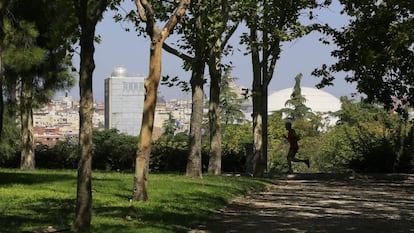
88,13
194,43
270,23
297,101
224,20
158,36
230,101
25,57
3,10
35,55
22,57
198,64
376,51
205,36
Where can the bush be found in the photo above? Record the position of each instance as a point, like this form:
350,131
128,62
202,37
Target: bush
114,151
63,155
169,153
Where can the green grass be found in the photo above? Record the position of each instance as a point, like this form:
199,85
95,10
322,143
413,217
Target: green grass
34,200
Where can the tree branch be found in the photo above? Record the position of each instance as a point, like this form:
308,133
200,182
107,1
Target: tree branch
174,19
229,35
177,53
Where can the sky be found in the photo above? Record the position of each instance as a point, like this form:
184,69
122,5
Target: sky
121,48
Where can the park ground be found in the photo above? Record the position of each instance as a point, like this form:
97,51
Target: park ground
321,203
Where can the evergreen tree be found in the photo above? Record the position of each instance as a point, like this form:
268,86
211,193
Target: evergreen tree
36,41
230,102
170,125
297,101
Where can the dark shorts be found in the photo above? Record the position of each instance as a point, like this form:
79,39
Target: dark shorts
292,152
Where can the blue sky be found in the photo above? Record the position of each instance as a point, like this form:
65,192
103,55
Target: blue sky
119,47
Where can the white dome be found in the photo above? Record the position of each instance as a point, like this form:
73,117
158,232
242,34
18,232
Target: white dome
317,100
119,71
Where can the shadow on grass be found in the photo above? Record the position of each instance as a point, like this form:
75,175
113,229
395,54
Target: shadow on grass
21,177
166,215
44,212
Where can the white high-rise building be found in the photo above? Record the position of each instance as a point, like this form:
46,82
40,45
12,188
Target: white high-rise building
124,101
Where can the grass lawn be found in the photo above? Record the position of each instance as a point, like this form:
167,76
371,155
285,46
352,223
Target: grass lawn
34,200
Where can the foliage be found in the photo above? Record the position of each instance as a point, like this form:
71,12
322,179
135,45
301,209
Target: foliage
230,101
367,139
376,49
37,199
269,23
297,109
113,150
37,42
35,58
309,143
170,125
21,54
63,155
10,141
236,146
169,153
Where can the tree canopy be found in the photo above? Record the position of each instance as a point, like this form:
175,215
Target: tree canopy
375,49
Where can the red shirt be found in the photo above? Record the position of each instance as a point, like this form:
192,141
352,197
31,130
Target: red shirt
292,138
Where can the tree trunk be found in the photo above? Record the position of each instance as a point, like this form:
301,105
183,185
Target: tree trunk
256,167
1,81
194,166
257,137
83,213
406,162
2,10
214,165
194,162
265,126
158,37
26,116
145,136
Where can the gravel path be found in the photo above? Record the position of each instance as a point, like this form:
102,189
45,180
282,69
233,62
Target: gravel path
335,203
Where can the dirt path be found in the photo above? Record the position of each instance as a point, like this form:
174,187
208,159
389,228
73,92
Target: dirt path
322,203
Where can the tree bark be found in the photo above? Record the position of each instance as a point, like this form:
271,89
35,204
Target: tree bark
26,115
265,126
83,212
2,10
194,165
158,37
257,137
145,136
257,95
214,165
1,81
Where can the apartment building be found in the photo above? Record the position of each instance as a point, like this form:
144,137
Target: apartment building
124,101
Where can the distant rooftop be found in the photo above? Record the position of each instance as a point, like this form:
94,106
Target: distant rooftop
316,99
119,71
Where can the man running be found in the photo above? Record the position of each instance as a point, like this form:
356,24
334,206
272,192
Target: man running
292,137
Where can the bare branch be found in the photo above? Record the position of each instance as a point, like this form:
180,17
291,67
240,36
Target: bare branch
175,18
141,10
229,33
177,53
